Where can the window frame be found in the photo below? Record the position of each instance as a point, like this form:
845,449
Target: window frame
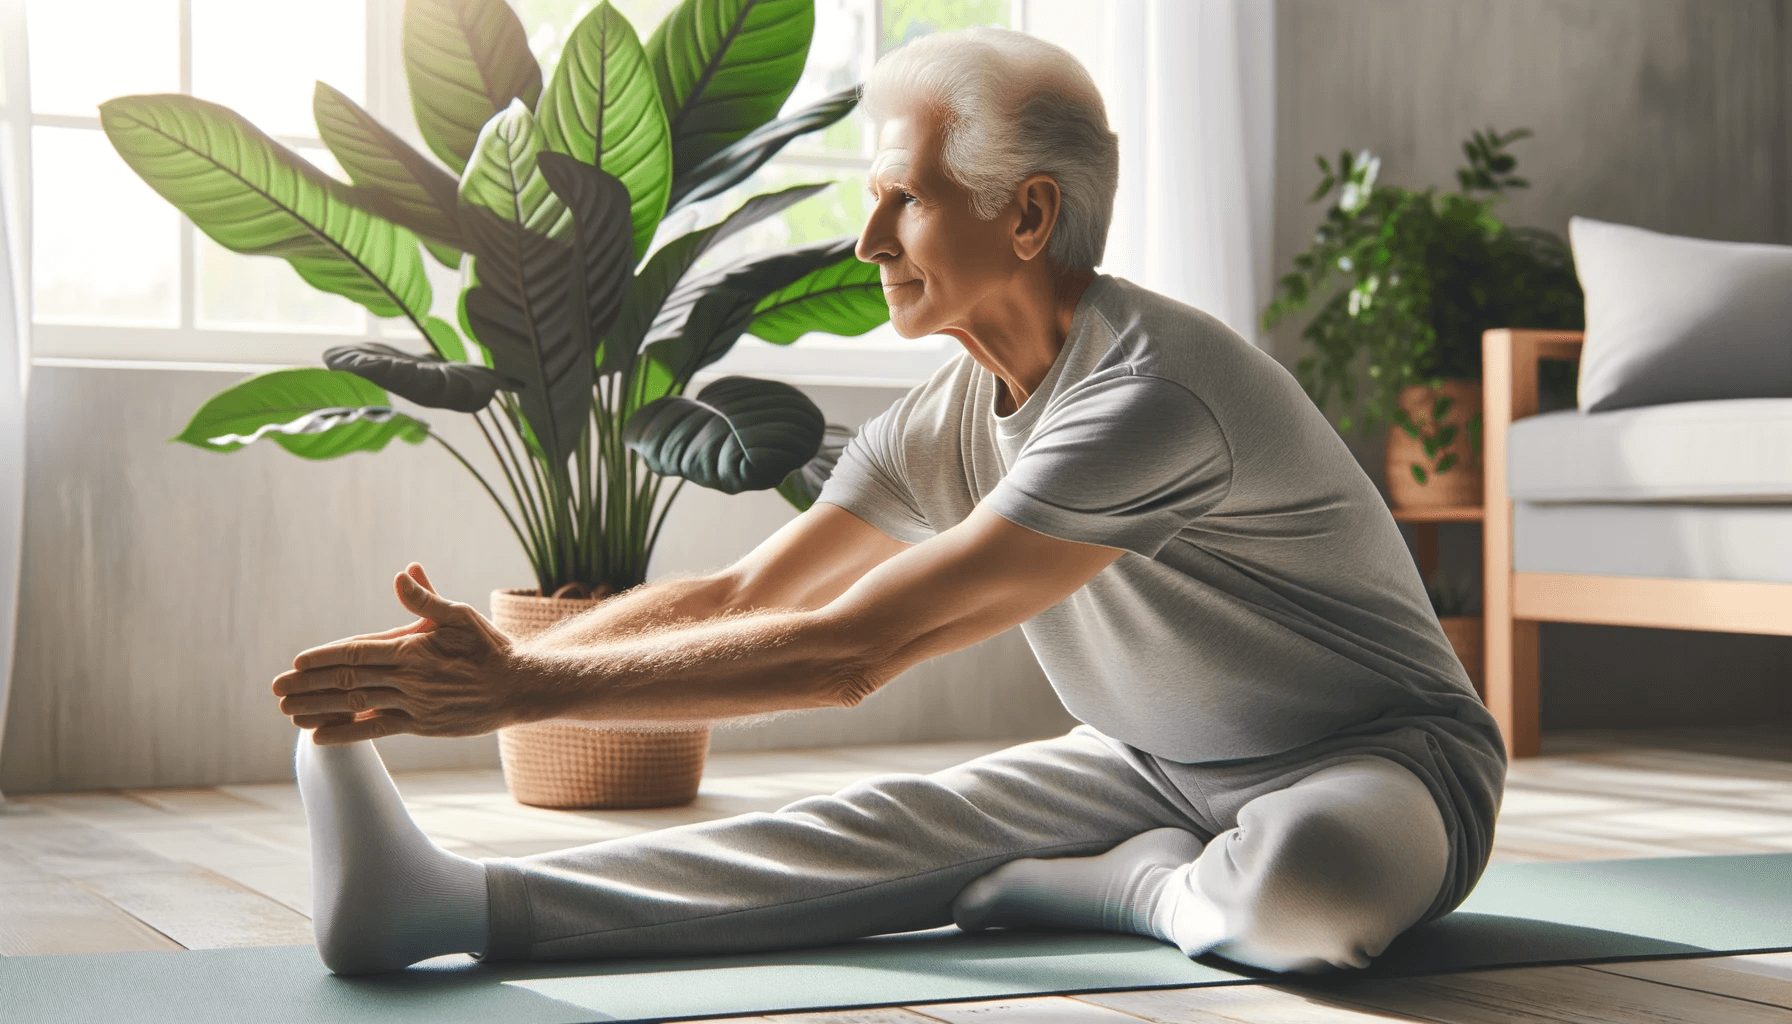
878,358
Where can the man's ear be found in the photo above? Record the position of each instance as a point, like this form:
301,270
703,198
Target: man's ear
1039,202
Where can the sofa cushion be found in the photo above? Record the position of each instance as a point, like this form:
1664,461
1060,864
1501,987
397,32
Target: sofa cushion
1734,451
1659,541
1673,319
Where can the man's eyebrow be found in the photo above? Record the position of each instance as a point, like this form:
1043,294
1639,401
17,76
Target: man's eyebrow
895,184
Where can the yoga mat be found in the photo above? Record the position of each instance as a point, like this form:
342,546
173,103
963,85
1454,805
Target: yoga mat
1520,914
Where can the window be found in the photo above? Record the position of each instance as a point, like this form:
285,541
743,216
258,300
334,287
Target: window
119,274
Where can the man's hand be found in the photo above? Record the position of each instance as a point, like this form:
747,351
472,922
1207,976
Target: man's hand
450,673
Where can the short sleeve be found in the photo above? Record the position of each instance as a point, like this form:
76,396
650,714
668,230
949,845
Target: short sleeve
869,480
1126,462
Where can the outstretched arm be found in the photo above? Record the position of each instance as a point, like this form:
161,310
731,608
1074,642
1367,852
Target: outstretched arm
969,583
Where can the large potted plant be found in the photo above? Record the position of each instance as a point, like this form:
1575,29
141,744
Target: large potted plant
1406,282
571,353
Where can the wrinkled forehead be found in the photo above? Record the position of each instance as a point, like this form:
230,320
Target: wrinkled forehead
908,146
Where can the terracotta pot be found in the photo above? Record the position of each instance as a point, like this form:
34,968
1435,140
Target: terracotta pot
567,764
1469,640
1457,486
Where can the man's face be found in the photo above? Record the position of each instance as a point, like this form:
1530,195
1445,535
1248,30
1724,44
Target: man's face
940,263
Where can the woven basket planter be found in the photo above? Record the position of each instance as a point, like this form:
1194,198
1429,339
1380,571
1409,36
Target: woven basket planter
568,765
1459,486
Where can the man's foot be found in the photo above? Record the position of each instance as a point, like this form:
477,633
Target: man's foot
1122,890
383,895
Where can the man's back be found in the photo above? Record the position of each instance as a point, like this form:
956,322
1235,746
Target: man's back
1267,600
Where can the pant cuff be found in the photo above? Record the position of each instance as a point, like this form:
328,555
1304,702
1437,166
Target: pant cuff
510,925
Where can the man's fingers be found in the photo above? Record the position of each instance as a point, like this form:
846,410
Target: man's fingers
421,601
327,702
314,721
419,626
350,652
415,571
386,723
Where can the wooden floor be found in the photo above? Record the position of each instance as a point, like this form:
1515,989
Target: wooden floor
227,866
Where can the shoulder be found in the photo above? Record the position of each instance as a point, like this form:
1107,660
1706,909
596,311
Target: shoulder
1155,335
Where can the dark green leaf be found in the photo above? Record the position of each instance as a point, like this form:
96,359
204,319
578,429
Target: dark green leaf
601,239
252,195
602,107
734,164
725,67
313,413
426,380
648,293
1418,473
1444,464
702,320
392,179
738,434
803,486
465,61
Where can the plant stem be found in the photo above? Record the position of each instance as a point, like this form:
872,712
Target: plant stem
534,550
488,488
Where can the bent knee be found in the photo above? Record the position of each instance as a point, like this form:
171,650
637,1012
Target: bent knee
1311,882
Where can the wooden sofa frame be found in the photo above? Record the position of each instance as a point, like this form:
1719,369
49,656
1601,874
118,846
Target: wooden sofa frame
1516,602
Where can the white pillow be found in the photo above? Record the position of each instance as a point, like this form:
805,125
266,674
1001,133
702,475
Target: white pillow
1672,319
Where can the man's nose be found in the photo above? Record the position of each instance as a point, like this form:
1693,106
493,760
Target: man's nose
877,243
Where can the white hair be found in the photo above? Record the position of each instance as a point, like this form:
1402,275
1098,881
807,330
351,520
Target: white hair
1014,106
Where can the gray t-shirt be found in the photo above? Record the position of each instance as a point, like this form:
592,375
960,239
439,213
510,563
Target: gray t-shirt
1266,600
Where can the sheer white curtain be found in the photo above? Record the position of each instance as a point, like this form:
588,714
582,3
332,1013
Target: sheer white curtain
15,319
1190,88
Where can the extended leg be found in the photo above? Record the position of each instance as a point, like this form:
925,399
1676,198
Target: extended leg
383,895
886,855
1323,873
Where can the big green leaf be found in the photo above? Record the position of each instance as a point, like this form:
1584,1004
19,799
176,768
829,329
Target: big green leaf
253,195
648,291
844,298
741,158
504,178
314,413
465,61
601,107
738,434
394,180
429,381
725,67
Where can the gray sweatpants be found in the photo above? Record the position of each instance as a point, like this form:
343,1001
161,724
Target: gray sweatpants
1309,862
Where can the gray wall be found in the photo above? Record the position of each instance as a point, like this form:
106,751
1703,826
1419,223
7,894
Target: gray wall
1674,115
163,587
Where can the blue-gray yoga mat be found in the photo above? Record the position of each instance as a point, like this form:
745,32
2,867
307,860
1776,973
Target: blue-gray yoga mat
1519,914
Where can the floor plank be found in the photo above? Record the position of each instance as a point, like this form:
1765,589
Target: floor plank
1249,1004
200,910
43,918
1549,995
1719,976
1044,1010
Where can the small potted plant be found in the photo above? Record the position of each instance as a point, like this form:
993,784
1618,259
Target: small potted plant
1457,603
570,353
1405,283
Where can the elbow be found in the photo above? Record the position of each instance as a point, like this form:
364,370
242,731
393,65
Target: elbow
850,690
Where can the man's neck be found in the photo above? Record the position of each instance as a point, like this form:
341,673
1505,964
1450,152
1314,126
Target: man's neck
1020,343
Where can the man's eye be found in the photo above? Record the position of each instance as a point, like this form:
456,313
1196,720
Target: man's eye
905,197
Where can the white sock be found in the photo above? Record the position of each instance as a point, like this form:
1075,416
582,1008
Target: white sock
383,895
1127,889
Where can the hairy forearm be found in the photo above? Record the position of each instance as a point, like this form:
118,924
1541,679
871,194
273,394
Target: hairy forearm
650,607
735,665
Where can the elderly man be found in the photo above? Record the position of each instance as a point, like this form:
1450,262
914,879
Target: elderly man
1283,761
